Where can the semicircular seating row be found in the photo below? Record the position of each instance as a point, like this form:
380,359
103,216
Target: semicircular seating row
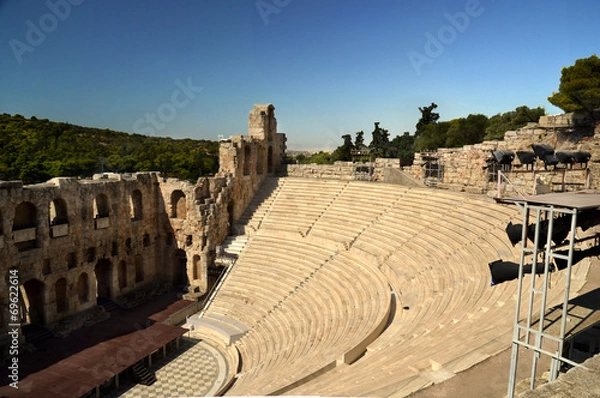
333,263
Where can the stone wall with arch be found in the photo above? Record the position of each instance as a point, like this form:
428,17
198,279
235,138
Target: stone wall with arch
76,242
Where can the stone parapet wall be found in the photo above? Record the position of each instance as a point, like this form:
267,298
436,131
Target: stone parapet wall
341,170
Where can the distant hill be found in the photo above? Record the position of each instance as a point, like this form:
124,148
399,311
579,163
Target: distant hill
35,150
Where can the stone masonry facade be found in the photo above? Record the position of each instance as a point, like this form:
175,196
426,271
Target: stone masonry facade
74,243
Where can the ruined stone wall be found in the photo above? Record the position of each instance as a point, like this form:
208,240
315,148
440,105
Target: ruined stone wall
466,169
250,159
72,243
340,170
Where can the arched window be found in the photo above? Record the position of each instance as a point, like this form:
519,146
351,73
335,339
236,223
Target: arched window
24,226
247,159
101,207
83,288
33,302
57,212
25,216
137,209
60,292
178,204
104,276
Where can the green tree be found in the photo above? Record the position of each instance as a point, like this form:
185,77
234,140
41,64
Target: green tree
432,136
579,88
466,131
403,148
512,120
380,143
343,151
428,116
359,141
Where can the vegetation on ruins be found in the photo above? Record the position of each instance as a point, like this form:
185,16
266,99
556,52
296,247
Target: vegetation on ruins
579,88
35,150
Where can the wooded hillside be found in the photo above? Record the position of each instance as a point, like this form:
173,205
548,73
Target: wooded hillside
35,150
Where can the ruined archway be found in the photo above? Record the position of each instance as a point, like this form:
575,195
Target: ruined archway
60,294
178,205
136,205
32,300
103,272
24,226
101,206
57,212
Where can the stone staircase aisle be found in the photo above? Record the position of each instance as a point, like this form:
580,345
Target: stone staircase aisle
233,245
258,207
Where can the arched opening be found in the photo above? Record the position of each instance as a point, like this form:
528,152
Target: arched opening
122,275
196,267
202,192
260,161
32,300
179,268
57,212
60,294
25,216
136,205
24,226
83,288
230,218
270,160
247,159
103,272
101,206
178,205
139,269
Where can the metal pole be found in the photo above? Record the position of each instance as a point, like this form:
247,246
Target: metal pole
514,357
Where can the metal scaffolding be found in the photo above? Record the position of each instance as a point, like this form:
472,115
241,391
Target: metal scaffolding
535,328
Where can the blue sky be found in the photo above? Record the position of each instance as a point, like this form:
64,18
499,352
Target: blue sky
194,68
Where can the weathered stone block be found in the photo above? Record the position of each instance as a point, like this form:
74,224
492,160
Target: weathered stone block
59,230
102,223
24,235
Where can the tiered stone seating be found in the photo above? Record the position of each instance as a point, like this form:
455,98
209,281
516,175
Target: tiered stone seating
345,302
297,207
336,268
